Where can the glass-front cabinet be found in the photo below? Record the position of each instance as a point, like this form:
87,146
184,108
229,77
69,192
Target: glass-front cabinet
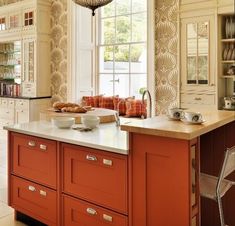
25,49
197,62
197,53
10,68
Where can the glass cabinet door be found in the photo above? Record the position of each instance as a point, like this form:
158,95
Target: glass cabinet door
197,52
28,74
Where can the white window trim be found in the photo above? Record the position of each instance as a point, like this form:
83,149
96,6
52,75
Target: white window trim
71,82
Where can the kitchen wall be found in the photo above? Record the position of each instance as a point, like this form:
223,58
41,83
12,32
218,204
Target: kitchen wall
59,50
166,54
166,33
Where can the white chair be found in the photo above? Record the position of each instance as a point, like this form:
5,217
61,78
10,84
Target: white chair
216,187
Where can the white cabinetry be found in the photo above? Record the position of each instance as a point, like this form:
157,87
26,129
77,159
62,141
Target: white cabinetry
28,22
16,110
226,59
198,59
207,53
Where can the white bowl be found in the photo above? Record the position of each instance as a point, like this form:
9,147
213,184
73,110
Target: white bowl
63,122
90,121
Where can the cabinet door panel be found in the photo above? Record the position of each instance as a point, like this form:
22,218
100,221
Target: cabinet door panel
77,213
160,181
34,158
95,176
33,199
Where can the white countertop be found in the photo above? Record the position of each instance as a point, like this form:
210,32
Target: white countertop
107,136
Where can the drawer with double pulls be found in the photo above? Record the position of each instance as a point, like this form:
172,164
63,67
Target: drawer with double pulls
34,200
34,159
78,212
95,176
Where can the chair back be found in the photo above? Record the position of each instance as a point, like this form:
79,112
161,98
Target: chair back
229,162
228,166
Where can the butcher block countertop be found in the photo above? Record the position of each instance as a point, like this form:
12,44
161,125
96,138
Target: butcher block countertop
162,126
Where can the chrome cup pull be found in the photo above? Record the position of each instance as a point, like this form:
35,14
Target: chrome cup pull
91,211
43,147
31,188
32,143
91,158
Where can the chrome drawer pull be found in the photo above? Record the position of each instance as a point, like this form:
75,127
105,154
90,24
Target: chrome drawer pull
43,147
91,158
32,143
32,188
43,193
107,218
91,211
107,162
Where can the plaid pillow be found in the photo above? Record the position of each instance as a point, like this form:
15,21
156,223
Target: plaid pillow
120,104
92,101
135,108
107,102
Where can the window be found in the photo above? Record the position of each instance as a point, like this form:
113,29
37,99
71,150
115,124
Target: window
122,47
14,21
28,18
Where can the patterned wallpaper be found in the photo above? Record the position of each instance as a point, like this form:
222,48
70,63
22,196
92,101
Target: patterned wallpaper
166,54
59,50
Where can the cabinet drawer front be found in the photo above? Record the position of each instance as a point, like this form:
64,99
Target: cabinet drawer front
37,200
4,102
21,116
77,212
34,158
7,113
95,176
202,99
22,104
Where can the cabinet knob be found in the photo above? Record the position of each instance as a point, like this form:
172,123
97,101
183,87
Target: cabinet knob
43,147
32,143
91,158
107,218
91,211
107,162
31,188
197,98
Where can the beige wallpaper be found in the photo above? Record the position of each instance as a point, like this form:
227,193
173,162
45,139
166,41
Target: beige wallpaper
166,54
59,50
166,43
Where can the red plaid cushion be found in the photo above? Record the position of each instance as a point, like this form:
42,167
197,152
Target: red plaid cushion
120,104
92,101
107,102
135,108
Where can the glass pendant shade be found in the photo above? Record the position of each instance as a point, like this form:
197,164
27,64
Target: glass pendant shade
92,4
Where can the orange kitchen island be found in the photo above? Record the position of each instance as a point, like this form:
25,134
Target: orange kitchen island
146,174
165,159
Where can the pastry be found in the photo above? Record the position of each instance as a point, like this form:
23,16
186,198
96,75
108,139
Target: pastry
60,105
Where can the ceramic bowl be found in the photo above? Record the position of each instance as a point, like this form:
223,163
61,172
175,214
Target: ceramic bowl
63,122
90,121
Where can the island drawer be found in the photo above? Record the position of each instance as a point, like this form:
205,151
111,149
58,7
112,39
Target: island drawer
96,176
77,212
34,158
32,199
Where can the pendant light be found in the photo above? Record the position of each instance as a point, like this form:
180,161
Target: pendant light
92,4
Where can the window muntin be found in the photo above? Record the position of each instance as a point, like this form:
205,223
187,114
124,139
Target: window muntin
123,48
